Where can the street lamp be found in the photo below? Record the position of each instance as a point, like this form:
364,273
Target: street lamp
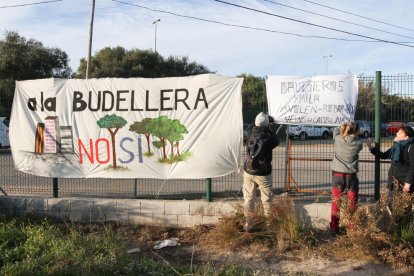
155,22
326,67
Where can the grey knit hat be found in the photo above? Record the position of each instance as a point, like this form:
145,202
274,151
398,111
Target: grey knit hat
261,120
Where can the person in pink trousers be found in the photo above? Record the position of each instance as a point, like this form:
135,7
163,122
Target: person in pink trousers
345,167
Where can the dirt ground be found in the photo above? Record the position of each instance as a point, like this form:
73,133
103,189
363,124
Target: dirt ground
323,254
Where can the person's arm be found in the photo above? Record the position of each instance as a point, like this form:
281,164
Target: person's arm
275,142
377,152
335,133
273,127
380,154
360,146
409,180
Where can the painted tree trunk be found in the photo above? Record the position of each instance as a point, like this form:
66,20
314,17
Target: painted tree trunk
147,135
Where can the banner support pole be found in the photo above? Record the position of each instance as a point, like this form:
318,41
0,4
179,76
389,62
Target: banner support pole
208,190
377,139
55,187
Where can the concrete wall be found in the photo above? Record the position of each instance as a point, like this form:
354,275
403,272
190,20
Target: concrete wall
181,213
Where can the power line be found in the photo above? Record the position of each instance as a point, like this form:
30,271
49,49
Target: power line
30,4
337,19
354,14
312,24
243,27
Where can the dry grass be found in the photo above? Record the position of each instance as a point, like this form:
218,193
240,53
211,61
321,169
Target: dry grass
278,232
377,235
376,229
374,232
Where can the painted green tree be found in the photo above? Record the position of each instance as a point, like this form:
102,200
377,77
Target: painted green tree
161,127
176,135
142,128
167,130
112,122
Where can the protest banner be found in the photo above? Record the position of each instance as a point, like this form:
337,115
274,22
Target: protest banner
320,100
181,127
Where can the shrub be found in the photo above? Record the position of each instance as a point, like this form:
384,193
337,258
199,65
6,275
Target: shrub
383,231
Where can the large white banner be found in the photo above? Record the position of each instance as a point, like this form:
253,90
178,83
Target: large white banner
184,127
320,100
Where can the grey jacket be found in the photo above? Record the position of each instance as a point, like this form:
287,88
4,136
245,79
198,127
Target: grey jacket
346,153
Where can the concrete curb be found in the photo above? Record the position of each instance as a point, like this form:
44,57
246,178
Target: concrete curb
175,213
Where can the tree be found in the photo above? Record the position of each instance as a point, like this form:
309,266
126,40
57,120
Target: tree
365,108
180,66
109,122
366,101
161,127
22,59
118,62
253,91
143,128
176,135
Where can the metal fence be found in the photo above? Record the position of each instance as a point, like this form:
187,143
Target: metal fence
301,168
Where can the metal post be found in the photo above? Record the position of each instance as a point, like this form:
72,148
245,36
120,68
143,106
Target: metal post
377,139
208,190
287,176
55,187
135,188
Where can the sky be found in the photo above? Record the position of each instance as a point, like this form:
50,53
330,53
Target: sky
277,37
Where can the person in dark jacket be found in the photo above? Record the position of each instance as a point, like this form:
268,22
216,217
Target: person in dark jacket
345,167
402,159
259,178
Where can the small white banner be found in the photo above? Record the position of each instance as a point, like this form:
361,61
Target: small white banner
320,100
183,127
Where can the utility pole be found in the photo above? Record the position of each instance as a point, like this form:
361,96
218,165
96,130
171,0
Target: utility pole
88,59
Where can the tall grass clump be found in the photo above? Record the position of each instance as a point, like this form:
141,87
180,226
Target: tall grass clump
278,231
384,229
39,247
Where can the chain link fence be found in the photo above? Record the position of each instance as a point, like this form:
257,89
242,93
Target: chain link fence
301,168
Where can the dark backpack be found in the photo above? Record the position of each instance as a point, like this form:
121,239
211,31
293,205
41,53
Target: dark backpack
255,160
